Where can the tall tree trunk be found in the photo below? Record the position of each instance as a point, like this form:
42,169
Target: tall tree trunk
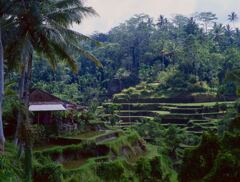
28,80
28,144
24,118
2,138
21,85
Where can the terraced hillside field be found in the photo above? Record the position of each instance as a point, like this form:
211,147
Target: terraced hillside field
185,112
93,156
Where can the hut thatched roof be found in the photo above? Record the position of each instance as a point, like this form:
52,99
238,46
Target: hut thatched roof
38,96
43,101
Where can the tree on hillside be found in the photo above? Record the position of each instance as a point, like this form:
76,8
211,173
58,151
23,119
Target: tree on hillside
233,17
228,36
180,21
207,18
133,37
217,32
191,27
120,75
162,21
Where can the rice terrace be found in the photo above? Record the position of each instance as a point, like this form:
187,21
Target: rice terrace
119,91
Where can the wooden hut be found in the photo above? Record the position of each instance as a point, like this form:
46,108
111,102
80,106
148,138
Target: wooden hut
43,104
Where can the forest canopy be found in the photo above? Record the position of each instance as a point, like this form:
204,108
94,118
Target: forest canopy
187,54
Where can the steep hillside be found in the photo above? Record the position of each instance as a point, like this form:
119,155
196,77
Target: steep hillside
192,112
105,156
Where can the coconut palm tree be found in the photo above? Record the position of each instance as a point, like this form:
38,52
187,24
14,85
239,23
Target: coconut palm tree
217,31
43,28
6,6
233,17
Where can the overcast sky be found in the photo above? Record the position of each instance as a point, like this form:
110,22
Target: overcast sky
113,12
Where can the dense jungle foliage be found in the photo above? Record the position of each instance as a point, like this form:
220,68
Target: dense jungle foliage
178,52
158,103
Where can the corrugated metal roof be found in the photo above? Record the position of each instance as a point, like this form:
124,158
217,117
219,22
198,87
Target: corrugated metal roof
47,107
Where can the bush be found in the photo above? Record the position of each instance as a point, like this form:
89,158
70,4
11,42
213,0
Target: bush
110,171
47,173
39,134
197,162
226,168
156,166
143,169
8,171
231,141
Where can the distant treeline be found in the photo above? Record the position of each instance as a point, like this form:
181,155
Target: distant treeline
140,49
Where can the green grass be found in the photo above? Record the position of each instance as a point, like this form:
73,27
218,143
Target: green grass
61,149
85,172
125,140
206,124
206,104
197,114
74,163
204,121
138,111
45,146
198,133
149,111
138,117
152,151
92,137
173,124
162,112
10,149
181,145
87,135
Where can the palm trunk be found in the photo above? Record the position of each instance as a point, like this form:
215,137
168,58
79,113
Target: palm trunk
2,138
21,98
24,118
28,85
28,144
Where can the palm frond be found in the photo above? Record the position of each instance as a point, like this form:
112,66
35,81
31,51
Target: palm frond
68,16
73,35
67,3
17,50
45,50
50,36
63,55
9,88
85,54
63,47
55,51
52,33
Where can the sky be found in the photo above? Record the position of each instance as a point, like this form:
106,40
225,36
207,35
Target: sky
113,12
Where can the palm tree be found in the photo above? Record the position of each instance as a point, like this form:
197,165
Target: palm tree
6,6
233,17
121,74
207,18
162,21
217,31
2,138
43,28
